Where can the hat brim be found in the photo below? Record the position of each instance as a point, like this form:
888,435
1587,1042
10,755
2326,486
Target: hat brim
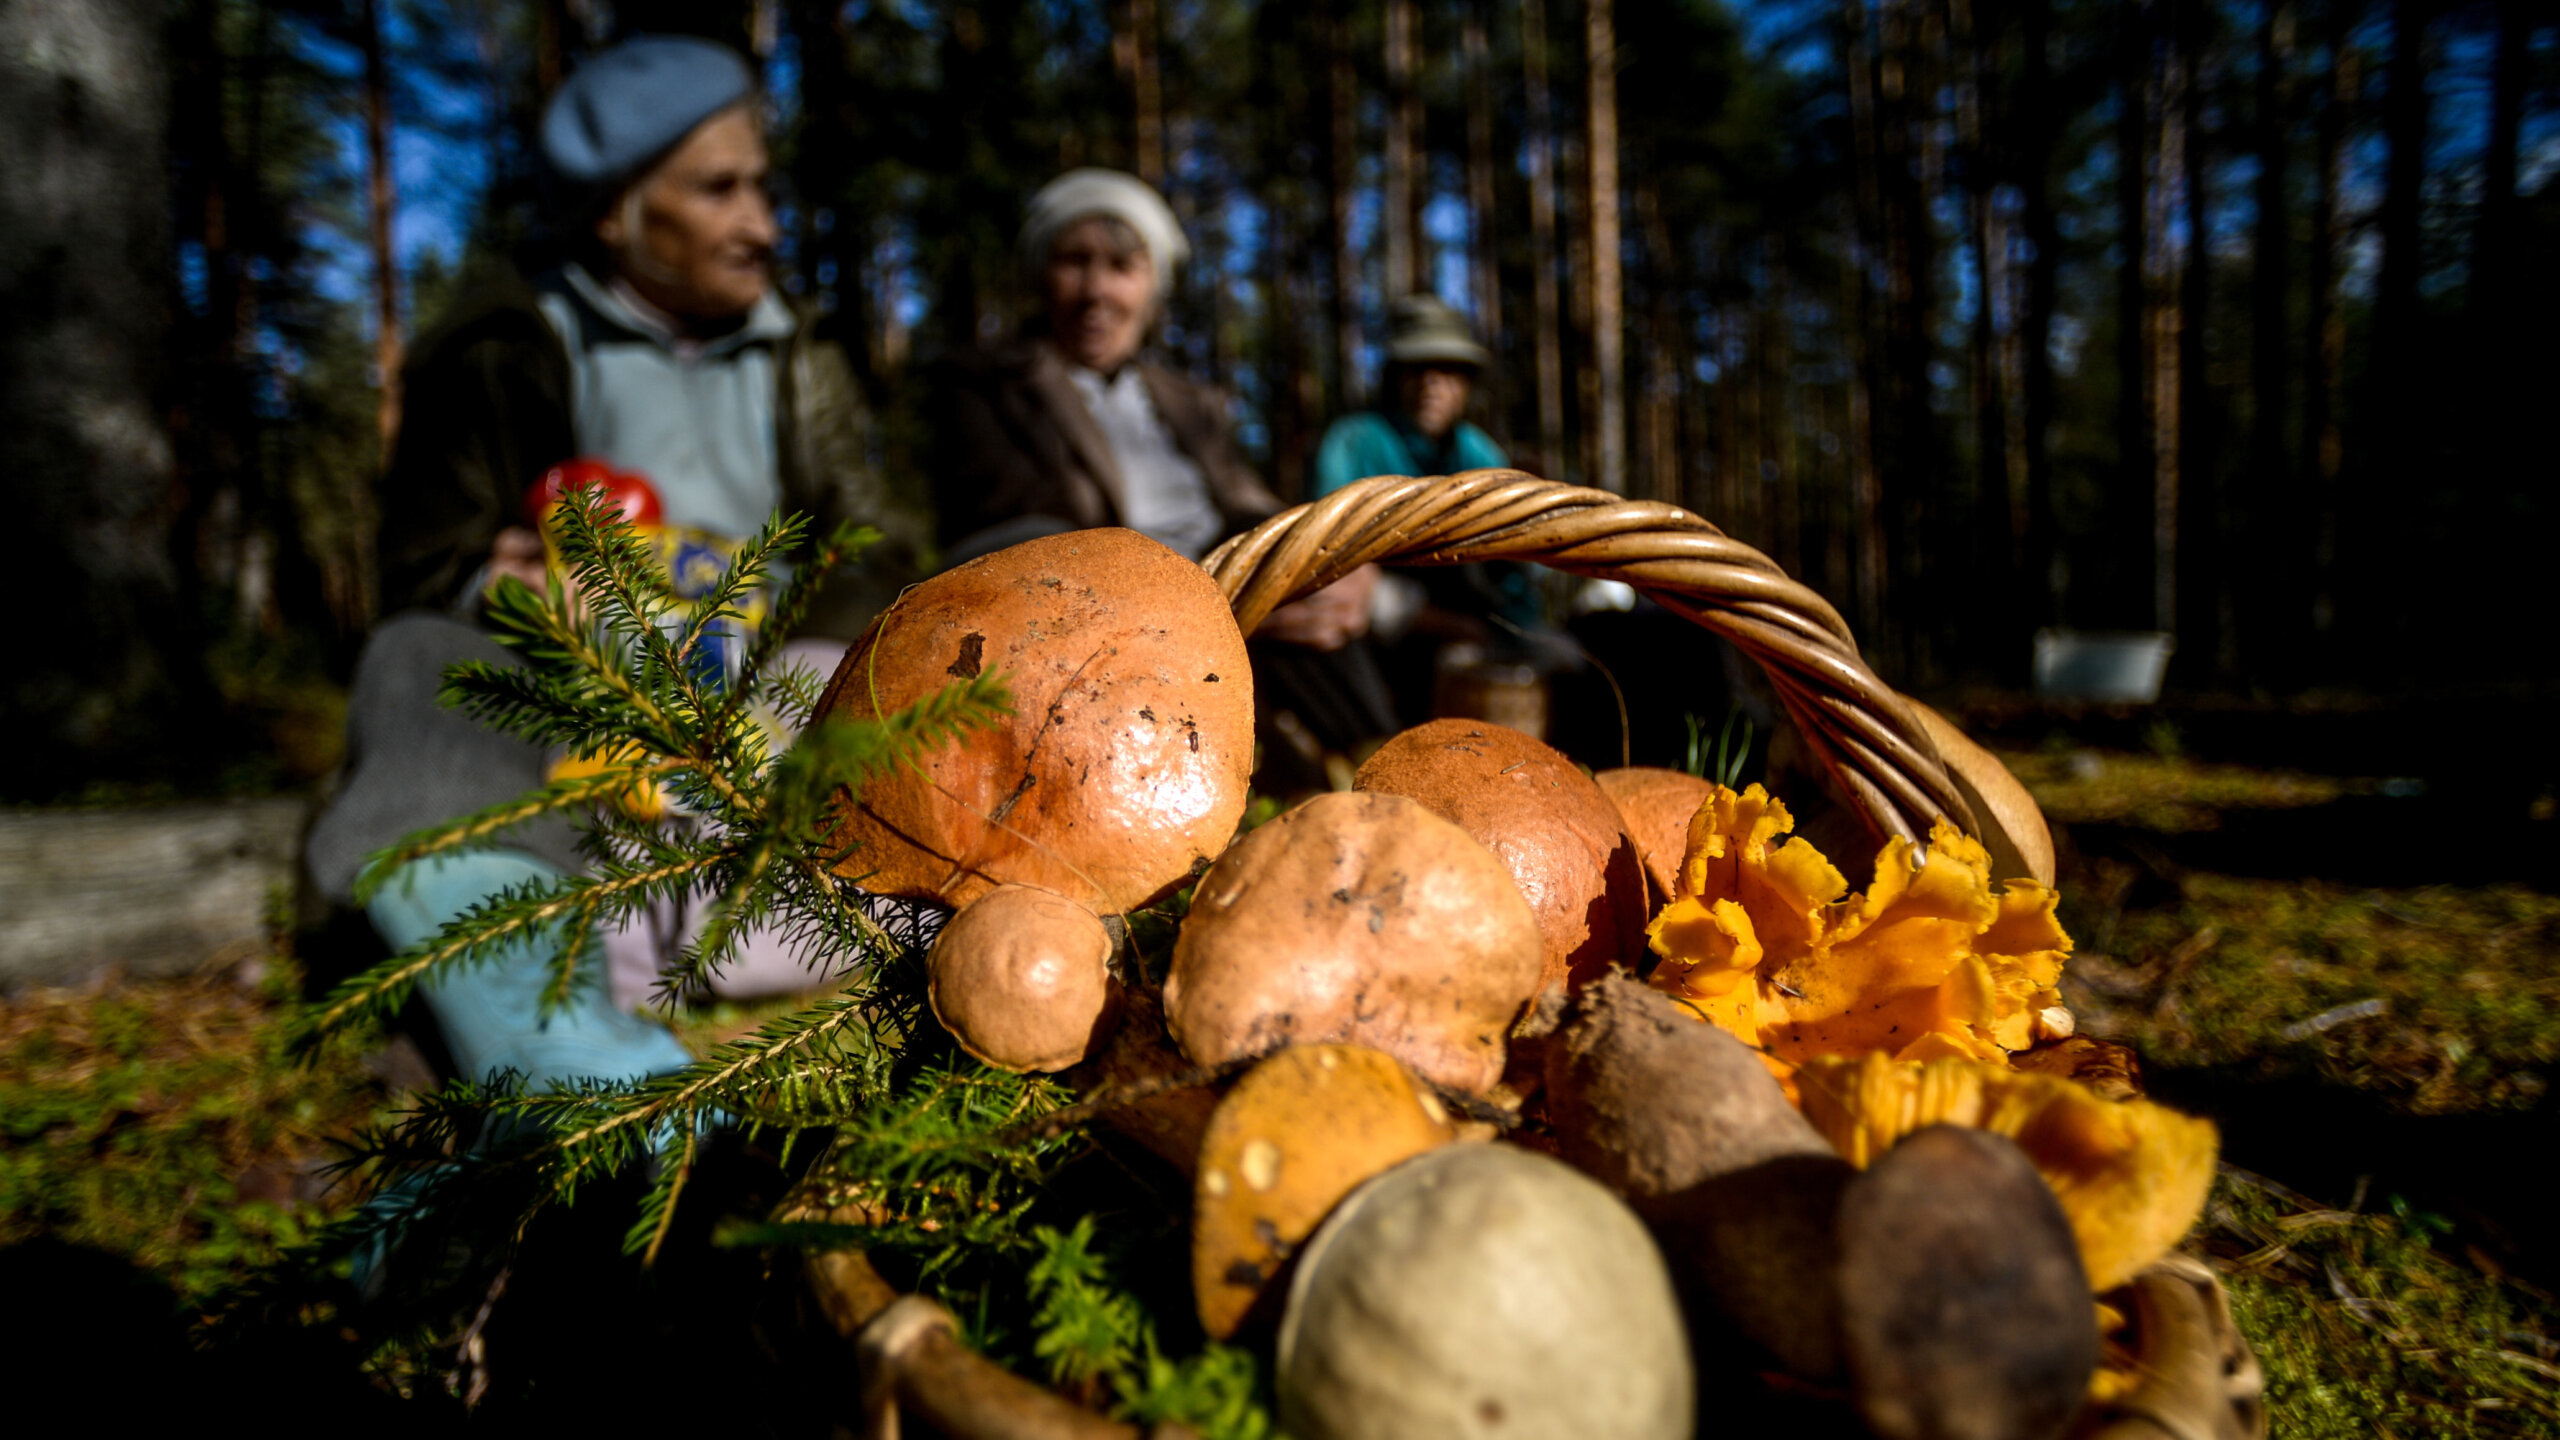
1442,351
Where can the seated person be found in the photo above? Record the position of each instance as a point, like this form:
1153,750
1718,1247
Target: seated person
1070,426
662,350
1433,363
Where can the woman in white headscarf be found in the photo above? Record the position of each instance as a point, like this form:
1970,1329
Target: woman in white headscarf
1069,426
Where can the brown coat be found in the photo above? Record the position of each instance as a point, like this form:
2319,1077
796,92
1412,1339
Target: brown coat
1014,443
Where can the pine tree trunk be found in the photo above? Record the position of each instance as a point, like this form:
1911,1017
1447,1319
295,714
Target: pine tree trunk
1542,237
1866,481
2268,502
2325,327
2134,378
380,198
85,462
2399,392
1608,286
2164,332
1342,184
1666,355
1400,197
1484,259
2037,123
1133,53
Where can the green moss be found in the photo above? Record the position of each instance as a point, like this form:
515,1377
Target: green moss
167,1122
2366,1328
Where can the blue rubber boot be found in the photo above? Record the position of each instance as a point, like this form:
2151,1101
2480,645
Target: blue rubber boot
491,1013
491,1016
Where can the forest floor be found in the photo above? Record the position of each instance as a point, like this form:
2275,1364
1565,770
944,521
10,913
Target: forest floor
2355,976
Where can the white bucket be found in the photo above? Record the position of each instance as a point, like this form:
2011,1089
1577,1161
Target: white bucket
2118,666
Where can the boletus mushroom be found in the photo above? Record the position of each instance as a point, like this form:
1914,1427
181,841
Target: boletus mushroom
1294,1136
1562,840
1657,806
1125,761
1483,1291
1022,979
1942,1284
1360,918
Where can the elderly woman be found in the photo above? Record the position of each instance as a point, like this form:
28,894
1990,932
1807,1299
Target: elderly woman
662,350
1070,427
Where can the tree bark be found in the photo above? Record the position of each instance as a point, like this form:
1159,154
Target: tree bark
2134,380
1872,566
1342,183
1484,258
1133,54
2038,122
2267,500
86,471
2325,326
2164,331
1400,197
1542,236
1608,292
380,199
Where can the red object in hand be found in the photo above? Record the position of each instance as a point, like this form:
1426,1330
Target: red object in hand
633,493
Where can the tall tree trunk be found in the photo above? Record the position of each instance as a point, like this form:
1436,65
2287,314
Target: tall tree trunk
1542,236
1780,469
1133,54
2270,484
2204,581
1999,474
1666,358
2134,242
85,462
2399,390
1484,258
1608,289
2039,119
1342,186
380,191
1400,197
2165,333
1866,223
2325,327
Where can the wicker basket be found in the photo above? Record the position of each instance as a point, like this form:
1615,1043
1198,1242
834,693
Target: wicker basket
2200,1380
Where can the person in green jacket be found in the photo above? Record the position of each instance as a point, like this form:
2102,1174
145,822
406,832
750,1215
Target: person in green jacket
1433,362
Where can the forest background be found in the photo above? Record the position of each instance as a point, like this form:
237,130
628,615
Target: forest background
2221,317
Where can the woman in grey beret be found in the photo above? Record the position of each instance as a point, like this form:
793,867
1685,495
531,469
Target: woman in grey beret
661,350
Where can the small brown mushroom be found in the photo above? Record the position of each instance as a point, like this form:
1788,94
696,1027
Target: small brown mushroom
1294,1136
1562,840
1362,918
1022,979
1657,806
1125,762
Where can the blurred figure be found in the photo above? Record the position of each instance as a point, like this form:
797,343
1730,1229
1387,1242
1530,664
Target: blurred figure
1069,427
663,352
1461,640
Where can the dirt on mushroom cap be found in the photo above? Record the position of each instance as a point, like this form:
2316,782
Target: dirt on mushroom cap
1563,841
1363,918
1126,760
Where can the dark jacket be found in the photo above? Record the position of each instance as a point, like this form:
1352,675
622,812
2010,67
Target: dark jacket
485,410
1014,443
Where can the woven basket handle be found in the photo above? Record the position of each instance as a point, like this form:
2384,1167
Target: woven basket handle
1876,749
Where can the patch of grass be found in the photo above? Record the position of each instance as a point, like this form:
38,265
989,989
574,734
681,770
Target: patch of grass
2442,998
2367,1328
2164,790
165,1121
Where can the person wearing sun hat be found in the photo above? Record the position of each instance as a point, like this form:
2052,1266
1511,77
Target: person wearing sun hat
659,349
1433,363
